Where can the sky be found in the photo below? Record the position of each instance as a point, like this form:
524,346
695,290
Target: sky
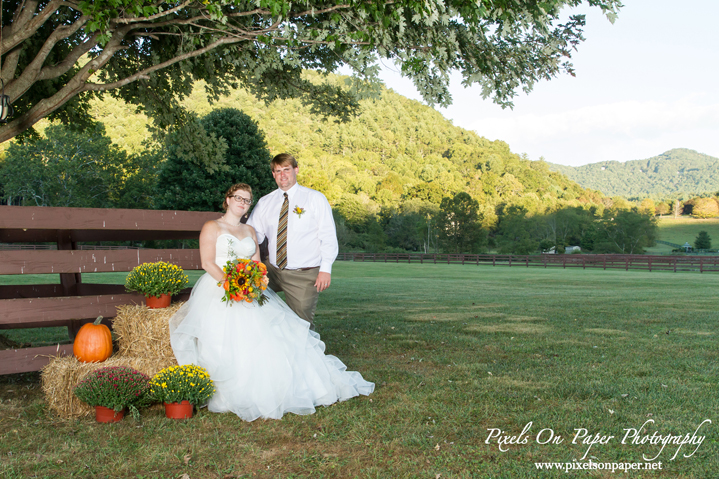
644,85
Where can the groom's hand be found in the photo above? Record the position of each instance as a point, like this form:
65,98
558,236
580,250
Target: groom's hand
323,281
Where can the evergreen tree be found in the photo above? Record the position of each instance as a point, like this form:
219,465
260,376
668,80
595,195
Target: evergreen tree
703,241
189,183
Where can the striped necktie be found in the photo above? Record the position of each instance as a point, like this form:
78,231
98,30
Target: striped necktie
282,234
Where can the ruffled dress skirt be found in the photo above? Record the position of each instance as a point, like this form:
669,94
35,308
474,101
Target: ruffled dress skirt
263,360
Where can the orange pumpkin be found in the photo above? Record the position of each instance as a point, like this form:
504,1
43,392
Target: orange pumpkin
93,342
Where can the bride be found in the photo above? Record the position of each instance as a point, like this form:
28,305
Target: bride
263,360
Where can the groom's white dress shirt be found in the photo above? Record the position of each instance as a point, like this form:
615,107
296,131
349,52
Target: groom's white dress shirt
311,236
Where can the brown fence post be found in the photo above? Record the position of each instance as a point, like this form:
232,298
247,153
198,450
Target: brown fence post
626,268
564,262
701,264
494,257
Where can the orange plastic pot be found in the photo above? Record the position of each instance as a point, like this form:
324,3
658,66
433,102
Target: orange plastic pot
157,302
105,414
178,410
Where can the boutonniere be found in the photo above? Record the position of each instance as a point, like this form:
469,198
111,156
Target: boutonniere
299,211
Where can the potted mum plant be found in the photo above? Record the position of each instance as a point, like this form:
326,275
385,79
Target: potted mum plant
180,388
113,389
157,281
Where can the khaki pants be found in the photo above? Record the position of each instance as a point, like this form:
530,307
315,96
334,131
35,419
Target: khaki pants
299,287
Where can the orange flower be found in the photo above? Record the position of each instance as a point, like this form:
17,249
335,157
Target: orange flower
226,285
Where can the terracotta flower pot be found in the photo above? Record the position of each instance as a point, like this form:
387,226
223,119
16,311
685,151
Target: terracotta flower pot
178,410
105,414
157,302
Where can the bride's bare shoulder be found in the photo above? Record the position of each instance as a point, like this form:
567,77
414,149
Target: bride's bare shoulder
210,229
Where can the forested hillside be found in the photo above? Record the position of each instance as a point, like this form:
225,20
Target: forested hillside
399,177
678,173
396,150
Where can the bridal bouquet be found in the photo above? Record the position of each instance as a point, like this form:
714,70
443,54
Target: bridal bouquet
245,280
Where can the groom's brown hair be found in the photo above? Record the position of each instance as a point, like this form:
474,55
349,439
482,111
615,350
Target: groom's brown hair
283,159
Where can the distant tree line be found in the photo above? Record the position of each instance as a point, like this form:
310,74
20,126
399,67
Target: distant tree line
706,206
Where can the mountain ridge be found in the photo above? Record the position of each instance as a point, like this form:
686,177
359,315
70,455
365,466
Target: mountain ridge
679,172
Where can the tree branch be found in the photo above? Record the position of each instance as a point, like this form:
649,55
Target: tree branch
28,22
10,64
144,73
30,74
73,87
62,67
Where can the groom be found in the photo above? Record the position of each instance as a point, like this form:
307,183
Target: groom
298,224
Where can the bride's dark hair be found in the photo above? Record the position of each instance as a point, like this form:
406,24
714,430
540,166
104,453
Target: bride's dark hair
233,189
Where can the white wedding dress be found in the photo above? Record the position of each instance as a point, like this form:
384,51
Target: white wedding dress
263,360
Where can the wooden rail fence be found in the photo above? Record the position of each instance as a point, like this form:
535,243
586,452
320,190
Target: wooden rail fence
72,302
702,264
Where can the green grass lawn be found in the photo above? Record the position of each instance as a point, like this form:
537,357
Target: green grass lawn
684,229
455,351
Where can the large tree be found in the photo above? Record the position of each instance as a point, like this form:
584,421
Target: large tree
191,183
57,53
629,231
459,224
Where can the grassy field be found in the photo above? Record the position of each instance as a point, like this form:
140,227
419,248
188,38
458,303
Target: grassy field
682,230
455,351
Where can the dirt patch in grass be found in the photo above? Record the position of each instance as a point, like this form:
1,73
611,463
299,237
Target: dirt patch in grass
605,331
690,332
518,328
509,317
438,317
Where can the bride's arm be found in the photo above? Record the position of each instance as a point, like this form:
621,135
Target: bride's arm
208,241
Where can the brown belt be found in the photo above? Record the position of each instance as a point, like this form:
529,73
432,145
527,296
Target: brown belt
297,269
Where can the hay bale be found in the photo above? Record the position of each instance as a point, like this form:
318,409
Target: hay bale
63,373
143,332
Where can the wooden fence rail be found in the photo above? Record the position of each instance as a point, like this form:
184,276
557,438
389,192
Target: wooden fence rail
72,302
702,264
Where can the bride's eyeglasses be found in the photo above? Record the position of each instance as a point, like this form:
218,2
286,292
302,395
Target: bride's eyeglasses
240,199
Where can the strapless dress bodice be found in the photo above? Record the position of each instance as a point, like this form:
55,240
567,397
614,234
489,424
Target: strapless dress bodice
229,247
